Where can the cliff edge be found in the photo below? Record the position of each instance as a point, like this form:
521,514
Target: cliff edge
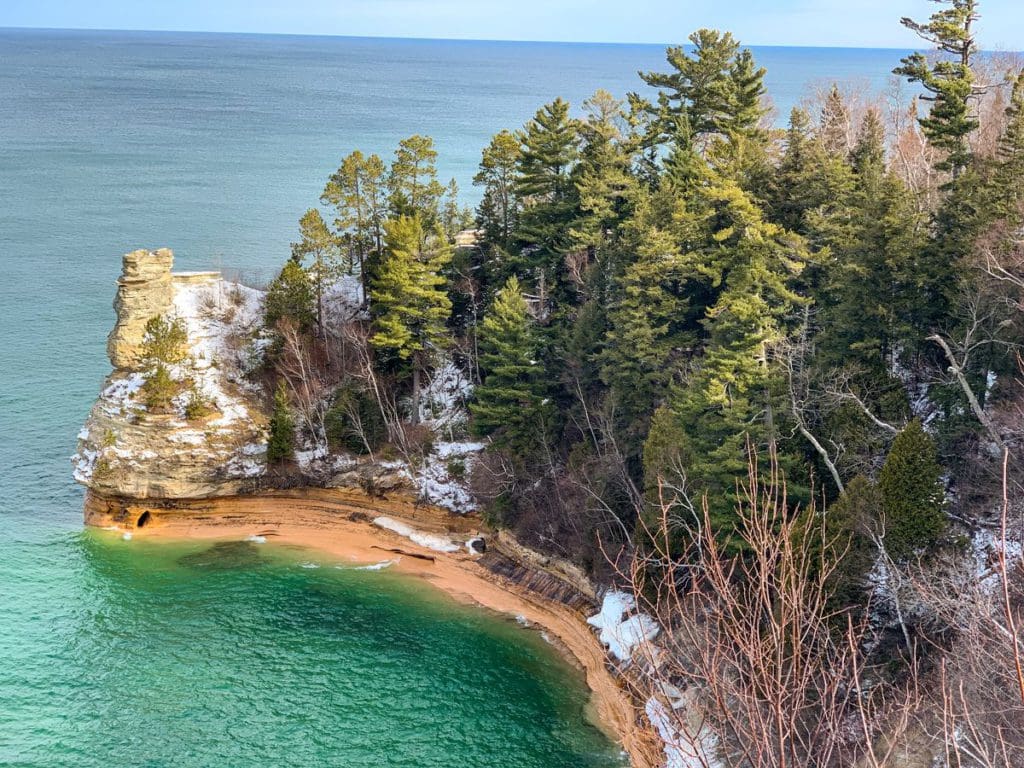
210,438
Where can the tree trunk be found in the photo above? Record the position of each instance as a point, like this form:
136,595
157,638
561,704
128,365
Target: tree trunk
416,390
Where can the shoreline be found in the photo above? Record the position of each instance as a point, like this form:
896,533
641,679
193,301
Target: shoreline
339,526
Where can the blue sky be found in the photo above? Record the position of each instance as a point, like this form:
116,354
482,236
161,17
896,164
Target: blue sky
869,23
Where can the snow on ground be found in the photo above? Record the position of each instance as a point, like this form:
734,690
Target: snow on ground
428,540
986,546
681,751
620,632
84,464
120,395
217,317
440,479
344,300
443,400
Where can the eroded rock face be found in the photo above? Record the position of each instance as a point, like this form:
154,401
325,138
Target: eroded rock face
128,449
144,291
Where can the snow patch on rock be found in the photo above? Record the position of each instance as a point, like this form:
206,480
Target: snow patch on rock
681,750
620,632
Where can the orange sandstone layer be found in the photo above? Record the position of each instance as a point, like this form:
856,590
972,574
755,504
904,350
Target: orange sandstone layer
339,523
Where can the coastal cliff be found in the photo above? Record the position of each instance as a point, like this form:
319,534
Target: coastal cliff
175,471
127,448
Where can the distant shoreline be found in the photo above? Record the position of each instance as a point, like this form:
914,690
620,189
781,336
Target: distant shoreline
392,38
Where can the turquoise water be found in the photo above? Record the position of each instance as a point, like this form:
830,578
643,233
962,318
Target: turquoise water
242,654
118,653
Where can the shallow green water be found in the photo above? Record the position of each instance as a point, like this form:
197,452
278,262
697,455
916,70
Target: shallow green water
243,654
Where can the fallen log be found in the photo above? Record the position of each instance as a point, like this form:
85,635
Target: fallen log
397,551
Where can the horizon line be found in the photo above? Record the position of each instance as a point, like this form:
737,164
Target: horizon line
411,38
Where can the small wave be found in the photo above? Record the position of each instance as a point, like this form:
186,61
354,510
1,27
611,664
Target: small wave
127,536
378,566
309,565
257,539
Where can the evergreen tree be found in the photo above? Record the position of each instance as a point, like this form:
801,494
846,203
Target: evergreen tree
1008,180
318,245
949,80
413,184
545,190
604,179
834,124
648,332
913,496
280,445
290,296
356,192
868,155
499,210
511,404
453,218
718,87
732,399
409,297
812,183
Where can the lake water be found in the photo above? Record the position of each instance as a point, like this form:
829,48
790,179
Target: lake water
124,653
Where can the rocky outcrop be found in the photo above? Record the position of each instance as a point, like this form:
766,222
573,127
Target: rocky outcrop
127,449
144,290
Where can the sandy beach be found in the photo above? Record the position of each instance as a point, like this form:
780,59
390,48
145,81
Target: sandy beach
343,529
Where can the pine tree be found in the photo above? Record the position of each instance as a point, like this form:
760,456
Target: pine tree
356,192
812,183
1008,179
413,184
868,155
545,190
648,331
321,248
746,104
280,445
511,404
499,210
718,87
604,180
409,298
949,81
732,399
290,296
834,124
913,496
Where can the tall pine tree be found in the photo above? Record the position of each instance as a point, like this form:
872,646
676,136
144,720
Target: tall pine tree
511,404
408,297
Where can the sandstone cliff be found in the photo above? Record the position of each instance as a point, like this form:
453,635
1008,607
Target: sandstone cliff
127,450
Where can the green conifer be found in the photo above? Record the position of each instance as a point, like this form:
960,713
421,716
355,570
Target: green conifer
290,296
949,80
409,298
511,404
281,442
319,246
913,497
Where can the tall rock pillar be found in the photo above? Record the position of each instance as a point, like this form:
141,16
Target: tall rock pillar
144,291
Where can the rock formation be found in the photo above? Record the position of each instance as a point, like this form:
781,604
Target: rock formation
144,290
128,450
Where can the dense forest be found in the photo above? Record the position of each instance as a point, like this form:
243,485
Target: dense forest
768,377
